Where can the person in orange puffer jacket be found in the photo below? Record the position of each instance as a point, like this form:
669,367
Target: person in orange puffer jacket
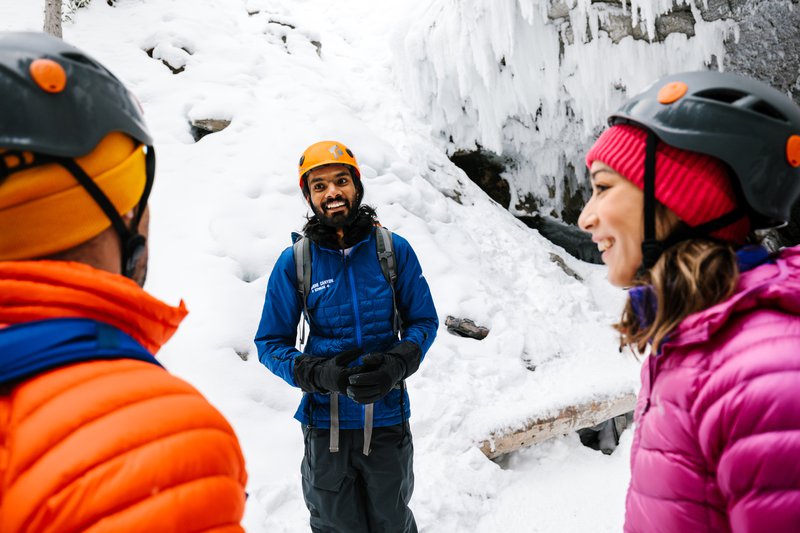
94,434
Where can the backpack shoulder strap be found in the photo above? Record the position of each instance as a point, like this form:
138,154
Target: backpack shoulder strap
386,258
386,254
302,267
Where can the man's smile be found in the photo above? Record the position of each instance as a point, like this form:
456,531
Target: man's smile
334,205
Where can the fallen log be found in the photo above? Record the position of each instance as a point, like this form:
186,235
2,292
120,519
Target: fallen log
571,418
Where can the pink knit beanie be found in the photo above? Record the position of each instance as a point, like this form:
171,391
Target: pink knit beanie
695,186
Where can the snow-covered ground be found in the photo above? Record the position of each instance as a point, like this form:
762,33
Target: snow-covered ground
223,209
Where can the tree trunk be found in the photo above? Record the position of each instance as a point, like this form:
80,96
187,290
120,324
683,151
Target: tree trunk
52,18
570,418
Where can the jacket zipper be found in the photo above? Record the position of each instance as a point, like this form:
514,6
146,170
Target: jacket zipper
355,314
651,375
355,300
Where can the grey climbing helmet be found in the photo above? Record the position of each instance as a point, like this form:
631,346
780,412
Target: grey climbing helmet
57,100
57,104
748,125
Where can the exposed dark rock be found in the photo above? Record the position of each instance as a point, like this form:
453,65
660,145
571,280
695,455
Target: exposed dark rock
769,44
577,243
528,204
464,327
486,170
455,196
618,25
551,190
573,205
604,436
557,259
175,69
202,127
572,198
675,22
557,10
279,23
716,10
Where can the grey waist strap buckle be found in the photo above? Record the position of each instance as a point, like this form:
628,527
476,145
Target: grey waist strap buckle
368,420
334,437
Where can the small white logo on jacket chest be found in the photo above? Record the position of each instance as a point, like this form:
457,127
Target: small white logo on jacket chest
321,285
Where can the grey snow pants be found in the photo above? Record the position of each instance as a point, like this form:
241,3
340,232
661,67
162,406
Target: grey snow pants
349,492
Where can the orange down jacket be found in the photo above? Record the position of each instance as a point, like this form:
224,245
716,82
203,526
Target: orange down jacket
112,445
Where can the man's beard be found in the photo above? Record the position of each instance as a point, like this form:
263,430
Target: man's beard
337,220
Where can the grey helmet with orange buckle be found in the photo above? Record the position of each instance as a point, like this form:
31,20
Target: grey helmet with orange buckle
59,104
748,125
57,100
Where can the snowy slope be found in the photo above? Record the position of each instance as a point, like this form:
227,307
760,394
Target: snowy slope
223,209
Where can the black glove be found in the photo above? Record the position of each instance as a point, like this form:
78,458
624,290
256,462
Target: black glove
382,371
325,374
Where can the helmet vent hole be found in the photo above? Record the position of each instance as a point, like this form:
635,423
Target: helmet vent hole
727,96
765,109
82,59
743,100
78,58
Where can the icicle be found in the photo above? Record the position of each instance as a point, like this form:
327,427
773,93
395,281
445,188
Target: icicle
501,74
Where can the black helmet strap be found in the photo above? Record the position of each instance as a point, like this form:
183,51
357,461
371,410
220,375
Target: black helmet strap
132,243
653,248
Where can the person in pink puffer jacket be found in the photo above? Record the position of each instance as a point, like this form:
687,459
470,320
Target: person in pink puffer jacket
707,157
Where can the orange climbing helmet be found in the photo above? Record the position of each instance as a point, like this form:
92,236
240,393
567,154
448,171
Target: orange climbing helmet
327,153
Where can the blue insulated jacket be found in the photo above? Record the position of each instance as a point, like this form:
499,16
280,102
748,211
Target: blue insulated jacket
350,306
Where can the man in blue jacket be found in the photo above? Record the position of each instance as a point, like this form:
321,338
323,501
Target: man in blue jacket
369,330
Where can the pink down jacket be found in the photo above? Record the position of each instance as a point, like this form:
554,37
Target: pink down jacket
717,442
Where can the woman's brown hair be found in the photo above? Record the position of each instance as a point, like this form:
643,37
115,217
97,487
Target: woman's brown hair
690,276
